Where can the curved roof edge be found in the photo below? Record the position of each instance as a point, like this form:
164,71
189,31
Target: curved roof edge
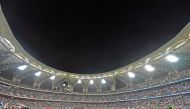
178,41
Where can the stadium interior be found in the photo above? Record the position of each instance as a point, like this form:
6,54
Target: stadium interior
160,80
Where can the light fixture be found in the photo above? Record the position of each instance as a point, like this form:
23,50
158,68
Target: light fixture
79,81
22,67
91,82
103,81
52,77
149,68
131,74
38,73
172,58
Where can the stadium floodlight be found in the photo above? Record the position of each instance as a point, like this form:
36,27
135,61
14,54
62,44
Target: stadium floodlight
22,67
38,73
79,81
103,81
91,82
131,74
149,68
172,58
52,77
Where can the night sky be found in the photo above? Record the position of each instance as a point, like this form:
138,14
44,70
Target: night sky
95,36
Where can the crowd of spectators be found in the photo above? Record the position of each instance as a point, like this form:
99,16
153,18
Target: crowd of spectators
174,91
181,101
173,88
176,94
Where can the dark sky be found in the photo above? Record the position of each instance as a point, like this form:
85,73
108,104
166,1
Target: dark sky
95,36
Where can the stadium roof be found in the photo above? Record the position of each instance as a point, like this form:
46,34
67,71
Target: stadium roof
23,66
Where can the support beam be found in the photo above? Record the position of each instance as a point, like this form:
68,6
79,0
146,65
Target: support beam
113,86
4,56
8,66
39,81
123,79
85,85
167,68
5,60
22,75
72,83
58,81
98,85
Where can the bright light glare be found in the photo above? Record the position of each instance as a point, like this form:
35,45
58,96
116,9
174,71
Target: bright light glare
22,67
149,68
52,77
131,74
79,81
103,81
172,58
91,82
38,73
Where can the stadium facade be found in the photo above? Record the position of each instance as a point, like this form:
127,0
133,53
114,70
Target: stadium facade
159,79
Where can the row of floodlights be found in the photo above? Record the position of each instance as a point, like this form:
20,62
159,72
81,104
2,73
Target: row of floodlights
149,68
103,81
171,58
